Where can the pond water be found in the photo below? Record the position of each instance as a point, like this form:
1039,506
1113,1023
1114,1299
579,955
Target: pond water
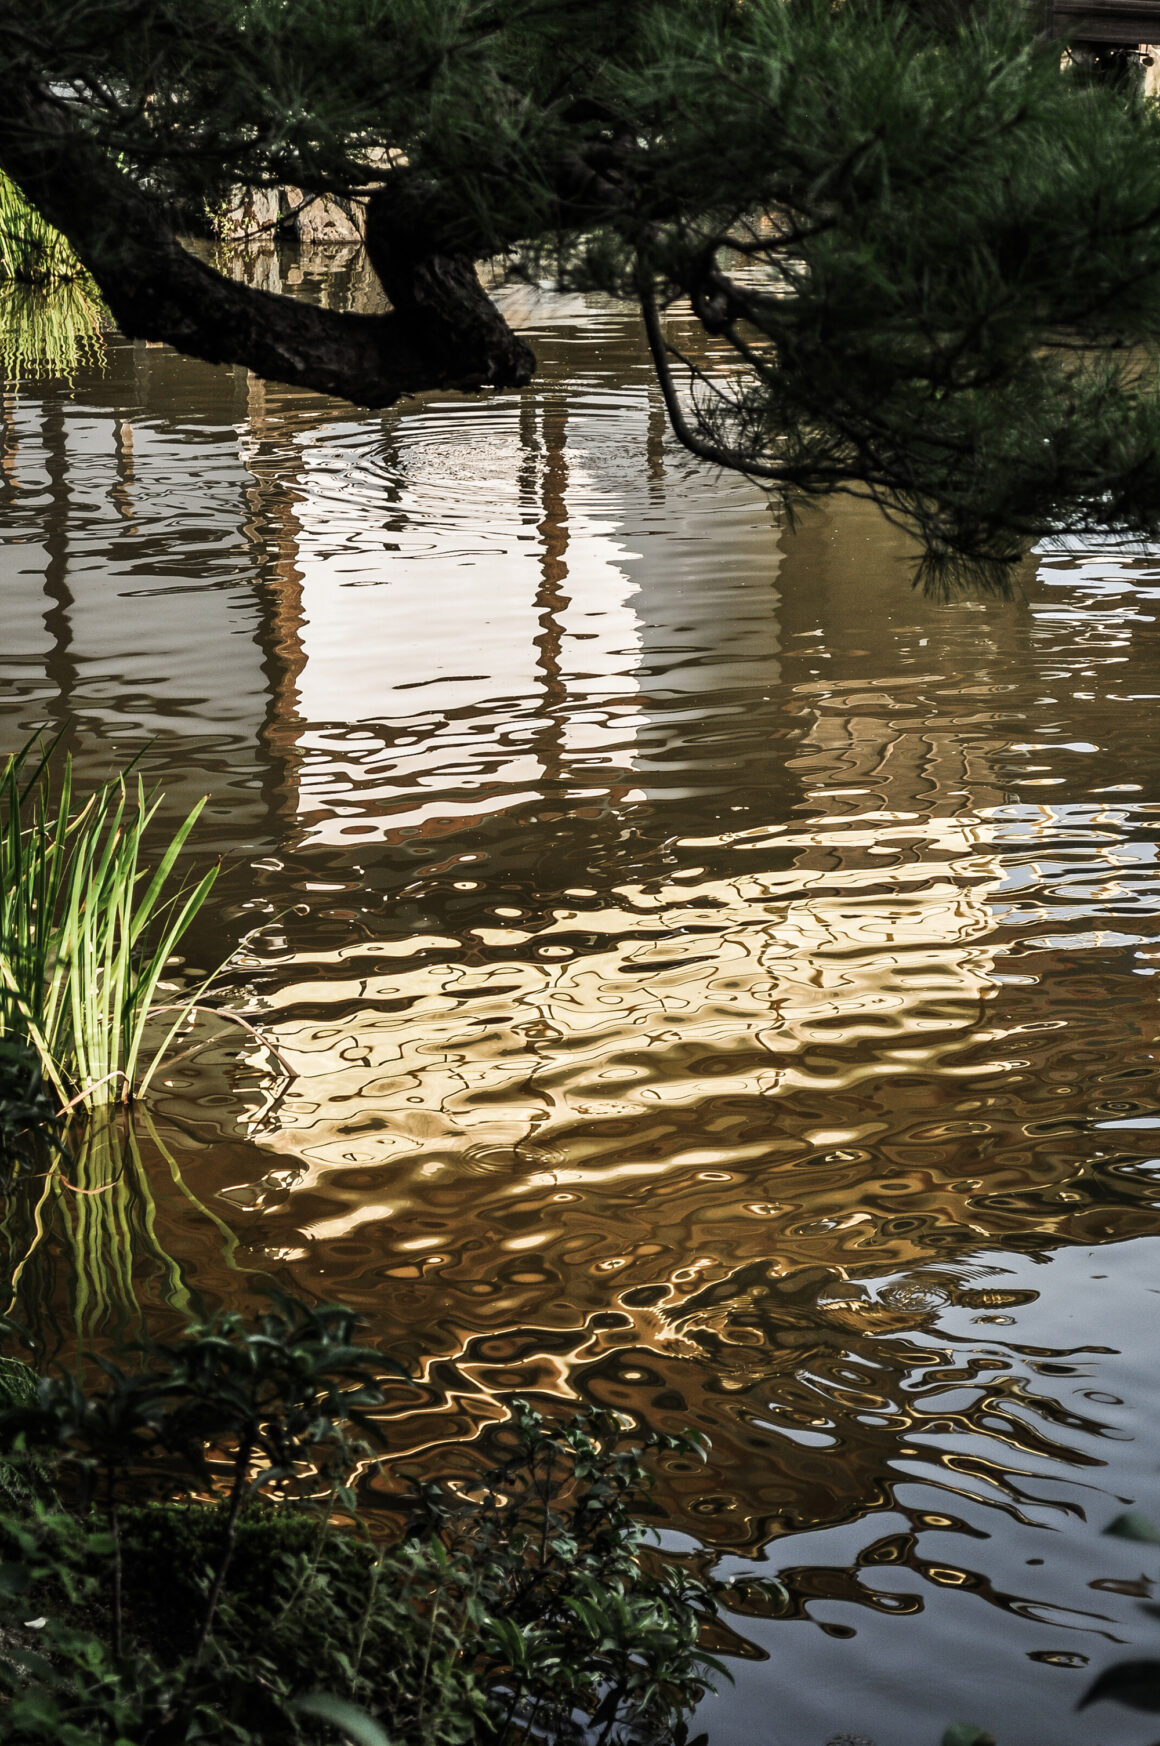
701,976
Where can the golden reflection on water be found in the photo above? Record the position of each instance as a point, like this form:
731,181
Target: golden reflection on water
716,983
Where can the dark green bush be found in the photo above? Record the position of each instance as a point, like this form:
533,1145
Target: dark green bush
531,1609
28,1111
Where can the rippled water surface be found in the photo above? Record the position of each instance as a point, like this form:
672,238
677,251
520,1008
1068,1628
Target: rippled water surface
703,977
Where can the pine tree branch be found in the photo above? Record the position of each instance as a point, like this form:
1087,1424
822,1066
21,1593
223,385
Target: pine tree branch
443,332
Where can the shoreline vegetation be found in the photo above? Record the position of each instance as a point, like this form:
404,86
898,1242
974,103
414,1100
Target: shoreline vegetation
183,1552
87,931
530,1606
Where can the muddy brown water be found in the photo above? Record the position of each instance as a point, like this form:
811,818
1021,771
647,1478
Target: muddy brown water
708,980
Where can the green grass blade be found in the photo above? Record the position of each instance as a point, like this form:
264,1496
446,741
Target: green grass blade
86,928
36,1035
148,986
165,866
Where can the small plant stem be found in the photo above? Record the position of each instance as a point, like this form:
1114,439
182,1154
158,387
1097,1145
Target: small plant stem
241,1468
204,1042
517,1694
427,1656
365,1621
312,1565
89,1089
530,1728
547,1502
115,1530
608,1726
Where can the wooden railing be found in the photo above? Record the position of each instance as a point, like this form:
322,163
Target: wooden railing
1110,21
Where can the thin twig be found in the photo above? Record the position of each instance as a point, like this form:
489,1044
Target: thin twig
104,1188
241,1468
117,1073
234,1018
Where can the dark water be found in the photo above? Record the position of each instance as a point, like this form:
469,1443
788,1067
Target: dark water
716,983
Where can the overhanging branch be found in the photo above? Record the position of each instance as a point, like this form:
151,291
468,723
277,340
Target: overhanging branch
734,460
443,333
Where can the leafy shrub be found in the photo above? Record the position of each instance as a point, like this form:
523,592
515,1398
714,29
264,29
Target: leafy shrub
529,1609
20,1479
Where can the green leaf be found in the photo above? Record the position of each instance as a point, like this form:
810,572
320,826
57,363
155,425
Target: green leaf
966,1734
346,1717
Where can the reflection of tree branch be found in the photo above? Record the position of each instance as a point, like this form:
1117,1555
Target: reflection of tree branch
882,471
682,430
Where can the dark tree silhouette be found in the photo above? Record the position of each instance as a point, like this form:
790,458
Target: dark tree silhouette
929,257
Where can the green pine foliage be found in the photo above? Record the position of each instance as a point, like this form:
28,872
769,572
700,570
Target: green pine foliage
30,249
50,330
928,257
51,318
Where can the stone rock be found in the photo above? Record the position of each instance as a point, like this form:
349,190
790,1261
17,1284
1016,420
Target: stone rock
249,213
321,220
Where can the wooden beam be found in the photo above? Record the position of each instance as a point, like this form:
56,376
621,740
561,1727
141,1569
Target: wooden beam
1128,22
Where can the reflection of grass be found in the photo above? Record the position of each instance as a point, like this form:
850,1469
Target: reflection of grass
50,330
51,318
93,1216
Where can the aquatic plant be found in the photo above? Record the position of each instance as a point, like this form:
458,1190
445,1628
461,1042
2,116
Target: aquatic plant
523,1612
88,921
86,929
30,248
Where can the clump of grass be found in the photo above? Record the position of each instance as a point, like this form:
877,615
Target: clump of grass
30,248
86,928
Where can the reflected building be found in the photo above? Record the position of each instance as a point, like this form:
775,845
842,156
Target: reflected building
193,553
127,576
